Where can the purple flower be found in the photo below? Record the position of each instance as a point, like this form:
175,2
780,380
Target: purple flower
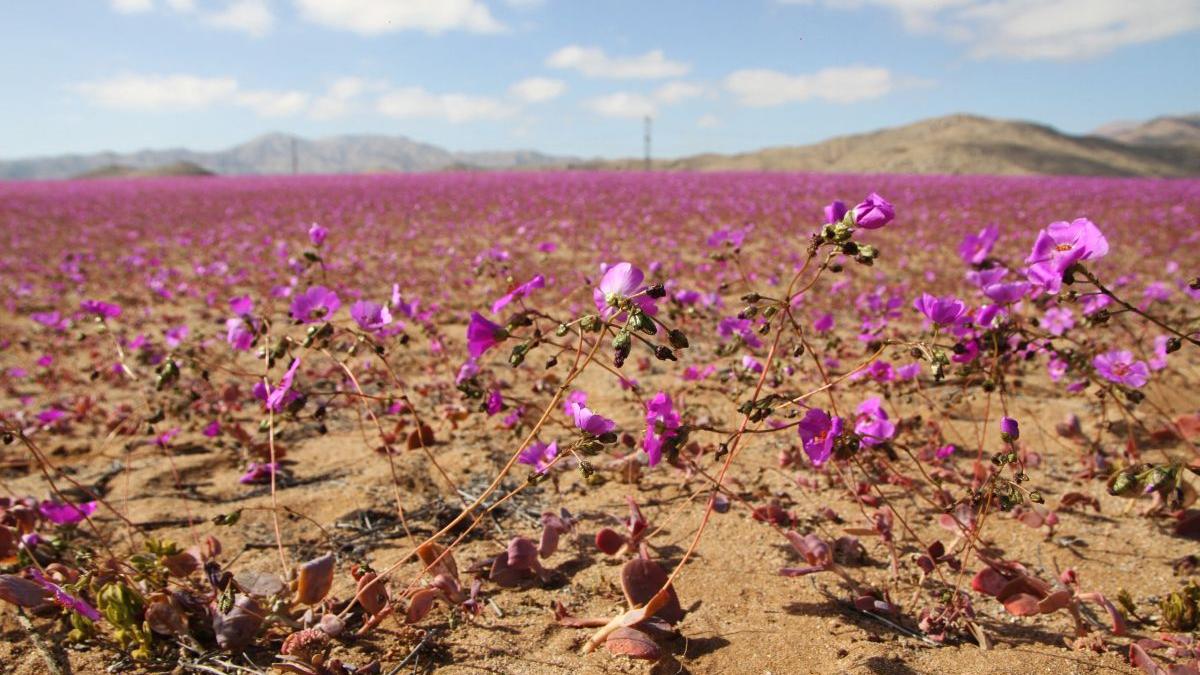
212,429
824,323
874,212
985,278
975,248
1160,353
751,364
50,416
539,455
621,282
1120,367
240,333
576,396
50,320
872,423
743,328
241,305
482,335
495,402
1006,293
1009,429
818,431
315,304
1061,245
317,234
835,211
519,292
62,513
946,451
279,397
104,310
370,316
941,311
1058,320
987,314
469,369
258,474
589,422
662,423
175,336
63,598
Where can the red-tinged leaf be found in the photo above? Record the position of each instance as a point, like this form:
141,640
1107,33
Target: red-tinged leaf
1055,601
431,555
422,439
315,580
800,571
633,643
609,541
989,582
22,592
236,630
1190,426
522,554
1188,525
1138,658
1114,615
1073,500
420,604
164,618
8,545
641,579
502,575
375,598
1022,604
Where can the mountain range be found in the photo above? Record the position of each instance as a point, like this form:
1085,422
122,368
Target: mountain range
954,144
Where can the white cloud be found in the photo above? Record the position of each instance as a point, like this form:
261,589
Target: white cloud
375,17
131,6
182,5
158,92
674,92
622,104
593,62
537,89
1039,29
415,102
339,99
252,17
273,103
763,88
1073,29
708,121
631,104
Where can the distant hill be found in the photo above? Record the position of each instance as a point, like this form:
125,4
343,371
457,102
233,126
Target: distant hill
119,171
1181,130
272,154
956,144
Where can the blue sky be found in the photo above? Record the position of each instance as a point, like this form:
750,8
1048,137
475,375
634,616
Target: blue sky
576,77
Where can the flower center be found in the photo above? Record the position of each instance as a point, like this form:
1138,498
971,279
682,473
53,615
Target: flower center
1063,247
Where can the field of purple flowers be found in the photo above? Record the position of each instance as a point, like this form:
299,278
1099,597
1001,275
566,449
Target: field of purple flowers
582,422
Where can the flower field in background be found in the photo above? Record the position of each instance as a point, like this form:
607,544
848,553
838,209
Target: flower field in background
580,421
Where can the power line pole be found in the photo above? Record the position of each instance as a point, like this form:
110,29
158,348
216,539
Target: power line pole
646,141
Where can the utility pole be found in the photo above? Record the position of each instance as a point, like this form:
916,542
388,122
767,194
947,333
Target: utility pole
295,158
646,141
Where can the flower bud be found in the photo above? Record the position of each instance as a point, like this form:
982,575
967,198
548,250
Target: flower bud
677,339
